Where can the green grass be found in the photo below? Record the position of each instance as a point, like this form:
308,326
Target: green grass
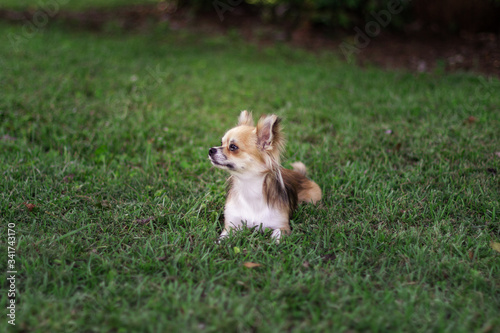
111,139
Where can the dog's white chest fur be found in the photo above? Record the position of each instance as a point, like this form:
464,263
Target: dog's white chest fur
247,205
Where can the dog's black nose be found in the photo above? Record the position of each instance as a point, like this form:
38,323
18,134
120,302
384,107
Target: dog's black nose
212,151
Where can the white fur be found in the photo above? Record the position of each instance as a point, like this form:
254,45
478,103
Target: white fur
247,205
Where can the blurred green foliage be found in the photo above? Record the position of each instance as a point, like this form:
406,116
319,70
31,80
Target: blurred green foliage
453,15
330,13
478,15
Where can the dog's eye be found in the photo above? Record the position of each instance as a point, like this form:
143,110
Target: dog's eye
233,147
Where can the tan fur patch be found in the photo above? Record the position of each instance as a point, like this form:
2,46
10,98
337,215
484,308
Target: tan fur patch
298,188
245,138
311,193
245,118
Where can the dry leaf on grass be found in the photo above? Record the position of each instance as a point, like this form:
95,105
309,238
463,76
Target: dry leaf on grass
29,206
488,328
397,147
495,246
329,257
470,120
68,178
103,204
144,221
251,264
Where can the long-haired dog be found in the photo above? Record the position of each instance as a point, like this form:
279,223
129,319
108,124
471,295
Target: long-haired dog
261,192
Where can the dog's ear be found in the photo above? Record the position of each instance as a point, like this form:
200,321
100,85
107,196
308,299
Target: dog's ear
245,118
269,133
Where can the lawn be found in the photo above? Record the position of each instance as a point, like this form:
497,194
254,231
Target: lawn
105,181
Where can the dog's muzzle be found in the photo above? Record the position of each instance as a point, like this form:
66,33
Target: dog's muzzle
212,151
218,159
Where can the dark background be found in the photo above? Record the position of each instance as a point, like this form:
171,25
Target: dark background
443,35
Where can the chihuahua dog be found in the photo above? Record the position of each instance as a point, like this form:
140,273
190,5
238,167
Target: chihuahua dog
261,192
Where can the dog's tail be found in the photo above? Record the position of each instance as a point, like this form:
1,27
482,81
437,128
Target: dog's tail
300,168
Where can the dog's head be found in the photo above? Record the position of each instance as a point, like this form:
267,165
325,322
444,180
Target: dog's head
246,149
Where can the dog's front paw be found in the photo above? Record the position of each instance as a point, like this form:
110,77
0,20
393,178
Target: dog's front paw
222,236
278,234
